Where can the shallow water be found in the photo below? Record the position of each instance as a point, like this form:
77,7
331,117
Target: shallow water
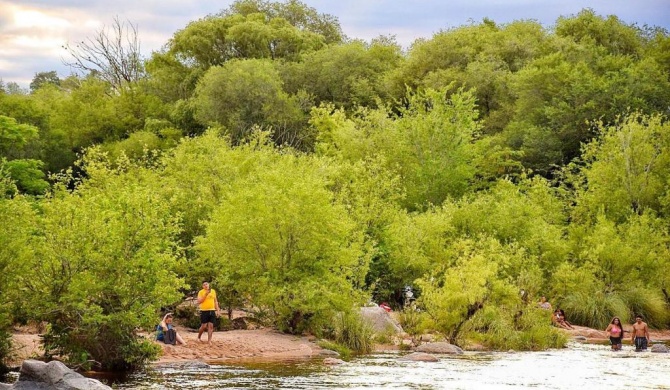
579,367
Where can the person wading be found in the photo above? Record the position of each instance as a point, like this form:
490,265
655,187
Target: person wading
209,310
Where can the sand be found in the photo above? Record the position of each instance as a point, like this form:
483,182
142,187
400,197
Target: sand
254,345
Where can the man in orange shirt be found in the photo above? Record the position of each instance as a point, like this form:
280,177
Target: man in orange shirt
209,310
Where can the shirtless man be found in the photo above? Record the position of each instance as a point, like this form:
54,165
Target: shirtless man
640,334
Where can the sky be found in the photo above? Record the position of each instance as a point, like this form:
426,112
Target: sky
33,32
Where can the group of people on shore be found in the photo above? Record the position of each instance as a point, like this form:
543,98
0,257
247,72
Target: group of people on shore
615,331
209,312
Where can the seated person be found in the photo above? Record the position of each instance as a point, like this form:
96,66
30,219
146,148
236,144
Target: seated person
558,319
164,326
544,304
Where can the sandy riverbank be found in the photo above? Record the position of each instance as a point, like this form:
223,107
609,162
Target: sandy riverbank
259,344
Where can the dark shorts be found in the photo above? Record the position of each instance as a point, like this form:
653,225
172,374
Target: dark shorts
640,343
615,340
207,316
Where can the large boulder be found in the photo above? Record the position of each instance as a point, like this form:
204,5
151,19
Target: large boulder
37,375
380,320
660,348
439,347
419,357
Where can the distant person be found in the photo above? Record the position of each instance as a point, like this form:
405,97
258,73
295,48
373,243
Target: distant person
544,304
209,310
558,319
165,328
569,325
640,334
615,333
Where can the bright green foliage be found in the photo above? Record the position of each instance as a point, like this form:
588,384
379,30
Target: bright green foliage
14,135
609,33
353,332
627,169
104,265
347,75
28,175
529,329
18,220
278,239
429,144
244,93
298,14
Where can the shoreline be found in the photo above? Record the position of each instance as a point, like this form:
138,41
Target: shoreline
268,345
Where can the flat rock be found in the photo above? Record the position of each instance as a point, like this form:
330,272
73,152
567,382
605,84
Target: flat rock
439,347
419,357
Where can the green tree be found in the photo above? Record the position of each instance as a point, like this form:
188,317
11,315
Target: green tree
43,78
244,93
104,265
279,239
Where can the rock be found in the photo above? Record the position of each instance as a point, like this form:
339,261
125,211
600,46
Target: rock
332,361
380,320
439,347
240,323
187,365
419,357
579,338
660,348
328,352
36,375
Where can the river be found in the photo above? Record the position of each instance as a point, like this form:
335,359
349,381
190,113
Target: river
578,367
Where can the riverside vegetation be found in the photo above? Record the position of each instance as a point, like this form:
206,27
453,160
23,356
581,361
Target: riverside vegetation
305,172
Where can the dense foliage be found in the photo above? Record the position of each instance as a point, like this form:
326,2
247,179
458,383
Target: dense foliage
304,173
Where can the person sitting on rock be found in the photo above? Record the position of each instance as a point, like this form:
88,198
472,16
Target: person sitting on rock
558,319
164,326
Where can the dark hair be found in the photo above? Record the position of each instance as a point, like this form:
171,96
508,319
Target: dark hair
639,316
616,318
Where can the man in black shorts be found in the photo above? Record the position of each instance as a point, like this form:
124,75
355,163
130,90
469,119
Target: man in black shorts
209,310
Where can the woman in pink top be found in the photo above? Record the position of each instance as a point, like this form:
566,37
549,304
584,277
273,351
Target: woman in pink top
615,333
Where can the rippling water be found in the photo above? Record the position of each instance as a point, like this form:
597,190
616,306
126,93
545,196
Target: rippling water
579,367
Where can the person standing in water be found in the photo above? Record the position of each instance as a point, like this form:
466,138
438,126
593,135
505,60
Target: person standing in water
209,310
640,334
615,333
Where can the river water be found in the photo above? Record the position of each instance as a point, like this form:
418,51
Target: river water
578,367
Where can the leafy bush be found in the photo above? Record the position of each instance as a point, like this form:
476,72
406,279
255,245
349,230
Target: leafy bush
345,353
353,332
528,330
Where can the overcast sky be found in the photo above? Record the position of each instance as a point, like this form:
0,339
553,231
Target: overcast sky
32,32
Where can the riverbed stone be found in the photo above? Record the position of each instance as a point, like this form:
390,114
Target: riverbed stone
38,375
579,338
440,347
419,357
380,320
333,361
328,352
660,348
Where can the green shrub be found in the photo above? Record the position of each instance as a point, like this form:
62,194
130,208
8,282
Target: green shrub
353,332
345,353
528,330
594,309
415,322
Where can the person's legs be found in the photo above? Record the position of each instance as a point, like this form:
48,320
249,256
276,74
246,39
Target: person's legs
202,329
180,340
210,331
